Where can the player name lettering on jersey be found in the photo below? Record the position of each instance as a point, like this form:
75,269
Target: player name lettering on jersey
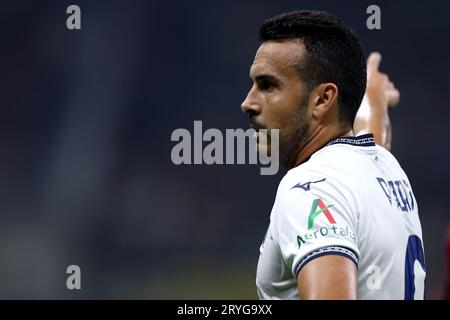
400,192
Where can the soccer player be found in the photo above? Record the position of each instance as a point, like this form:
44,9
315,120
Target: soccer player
344,224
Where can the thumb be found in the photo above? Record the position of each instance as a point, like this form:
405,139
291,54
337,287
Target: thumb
373,62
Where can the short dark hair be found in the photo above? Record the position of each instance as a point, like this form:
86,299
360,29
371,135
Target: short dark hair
332,54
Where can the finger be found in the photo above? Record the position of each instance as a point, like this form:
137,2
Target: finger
393,98
390,85
373,62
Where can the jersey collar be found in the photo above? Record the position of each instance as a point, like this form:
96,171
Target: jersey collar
365,140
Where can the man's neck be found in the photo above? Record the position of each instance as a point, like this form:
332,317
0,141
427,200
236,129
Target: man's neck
320,137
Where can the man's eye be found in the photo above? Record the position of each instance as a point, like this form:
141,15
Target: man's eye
266,86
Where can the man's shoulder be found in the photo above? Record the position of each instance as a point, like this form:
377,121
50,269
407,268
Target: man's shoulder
326,163
303,176
383,152
312,178
316,184
331,172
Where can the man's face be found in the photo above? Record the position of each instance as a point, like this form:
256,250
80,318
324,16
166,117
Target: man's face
277,98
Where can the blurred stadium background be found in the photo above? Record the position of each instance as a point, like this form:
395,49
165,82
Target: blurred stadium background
85,124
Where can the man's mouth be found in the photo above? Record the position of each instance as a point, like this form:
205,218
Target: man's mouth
255,125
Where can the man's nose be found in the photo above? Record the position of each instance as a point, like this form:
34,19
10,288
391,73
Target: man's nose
250,105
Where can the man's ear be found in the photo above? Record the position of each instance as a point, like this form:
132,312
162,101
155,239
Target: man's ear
325,99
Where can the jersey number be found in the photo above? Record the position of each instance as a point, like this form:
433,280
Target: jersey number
414,252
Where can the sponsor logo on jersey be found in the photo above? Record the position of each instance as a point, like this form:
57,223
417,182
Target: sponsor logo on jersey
318,207
307,185
315,213
333,231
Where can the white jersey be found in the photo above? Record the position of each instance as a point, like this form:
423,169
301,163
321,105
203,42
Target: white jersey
350,198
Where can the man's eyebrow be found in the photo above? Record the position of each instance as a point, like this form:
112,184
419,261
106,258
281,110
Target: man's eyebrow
267,77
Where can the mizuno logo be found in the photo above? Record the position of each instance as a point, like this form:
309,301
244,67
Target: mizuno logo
307,185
